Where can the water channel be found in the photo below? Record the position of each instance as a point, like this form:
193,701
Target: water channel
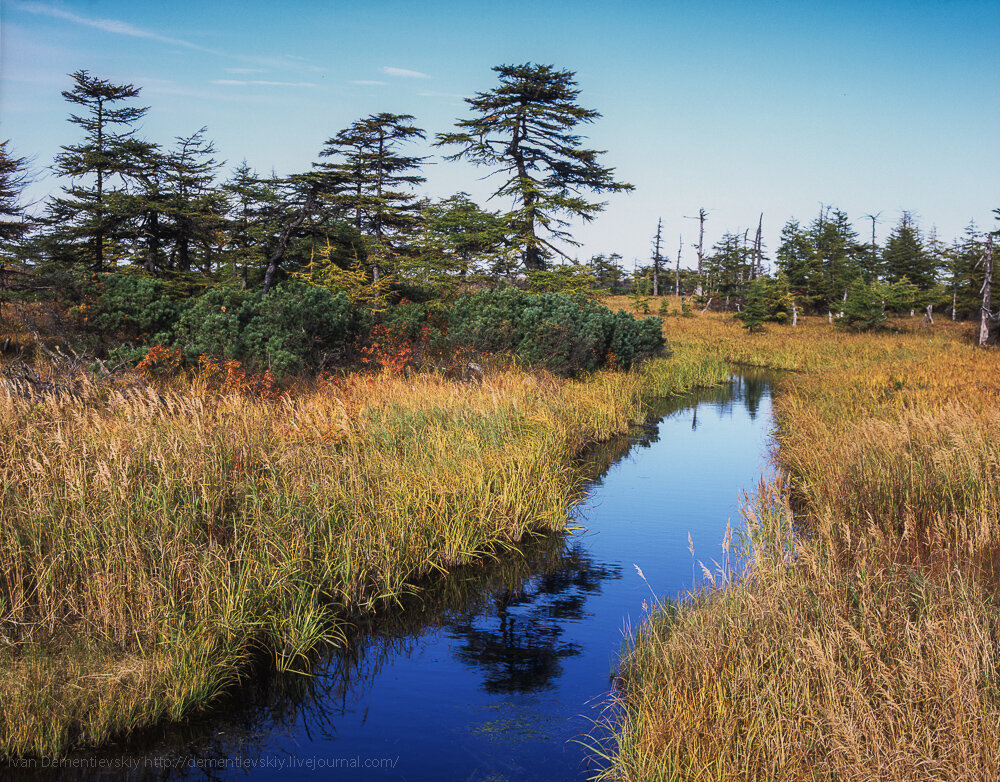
496,673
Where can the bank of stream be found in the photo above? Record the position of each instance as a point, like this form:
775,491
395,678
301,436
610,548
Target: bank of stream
495,673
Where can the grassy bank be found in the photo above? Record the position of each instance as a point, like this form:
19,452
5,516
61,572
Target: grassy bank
156,543
866,647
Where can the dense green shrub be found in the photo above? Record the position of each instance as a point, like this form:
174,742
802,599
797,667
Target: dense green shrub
296,326
213,322
565,334
130,306
290,328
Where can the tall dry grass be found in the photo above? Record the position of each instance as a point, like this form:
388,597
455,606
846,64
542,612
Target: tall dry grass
863,642
156,543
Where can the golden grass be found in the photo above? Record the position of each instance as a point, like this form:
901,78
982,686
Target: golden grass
865,646
156,543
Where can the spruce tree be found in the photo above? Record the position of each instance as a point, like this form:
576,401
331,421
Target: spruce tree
93,210
251,203
370,181
525,128
460,238
13,179
193,204
906,256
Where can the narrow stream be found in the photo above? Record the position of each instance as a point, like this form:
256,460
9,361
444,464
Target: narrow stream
498,673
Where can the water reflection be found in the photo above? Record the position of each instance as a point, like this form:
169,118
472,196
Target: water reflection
501,654
520,649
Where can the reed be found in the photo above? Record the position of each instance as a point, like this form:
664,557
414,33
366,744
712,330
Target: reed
862,642
158,542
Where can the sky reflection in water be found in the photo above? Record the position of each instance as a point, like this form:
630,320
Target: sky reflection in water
493,675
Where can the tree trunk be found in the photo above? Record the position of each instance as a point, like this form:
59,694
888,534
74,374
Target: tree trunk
986,312
279,252
656,258
795,315
677,272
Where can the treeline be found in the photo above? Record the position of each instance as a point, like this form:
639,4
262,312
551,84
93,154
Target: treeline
820,261
354,218
356,226
149,246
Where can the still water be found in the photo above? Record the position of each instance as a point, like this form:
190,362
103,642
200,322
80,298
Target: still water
497,674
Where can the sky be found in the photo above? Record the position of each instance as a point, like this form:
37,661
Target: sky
740,108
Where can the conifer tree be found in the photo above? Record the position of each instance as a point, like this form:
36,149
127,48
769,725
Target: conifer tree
93,209
460,238
193,204
906,256
251,203
525,128
373,181
13,179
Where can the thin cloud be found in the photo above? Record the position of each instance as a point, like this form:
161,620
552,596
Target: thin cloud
369,83
107,25
403,72
262,83
244,71
118,27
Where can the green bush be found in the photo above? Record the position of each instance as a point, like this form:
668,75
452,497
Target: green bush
291,328
130,306
296,326
213,323
565,334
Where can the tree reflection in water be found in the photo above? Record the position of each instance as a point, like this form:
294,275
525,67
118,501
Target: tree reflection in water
519,648
507,613
508,618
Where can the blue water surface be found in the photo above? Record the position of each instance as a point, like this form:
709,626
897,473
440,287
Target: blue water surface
502,674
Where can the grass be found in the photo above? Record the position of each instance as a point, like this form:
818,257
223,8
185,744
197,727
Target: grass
863,642
160,543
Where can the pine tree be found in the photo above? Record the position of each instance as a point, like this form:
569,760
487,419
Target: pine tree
906,256
93,209
373,181
251,204
798,261
13,180
767,301
460,238
193,204
822,259
862,309
525,129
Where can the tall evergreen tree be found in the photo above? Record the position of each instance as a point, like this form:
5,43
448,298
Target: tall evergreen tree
193,204
729,267
461,238
822,259
251,203
92,209
906,256
13,180
374,181
525,129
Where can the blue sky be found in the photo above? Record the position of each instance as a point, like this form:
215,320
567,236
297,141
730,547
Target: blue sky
738,107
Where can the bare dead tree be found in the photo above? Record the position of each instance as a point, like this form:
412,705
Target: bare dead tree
677,270
874,219
986,312
702,214
758,248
